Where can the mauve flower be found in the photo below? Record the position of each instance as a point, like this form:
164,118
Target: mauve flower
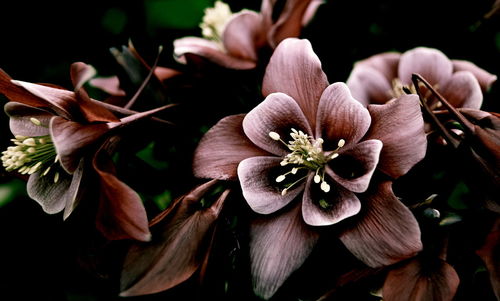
384,76
235,40
322,175
59,135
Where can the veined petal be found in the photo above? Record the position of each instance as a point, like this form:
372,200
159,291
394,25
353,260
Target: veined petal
294,69
279,245
51,196
76,188
289,23
354,168
462,90
208,50
400,127
484,78
258,183
341,117
385,231
386,63
368,85
431,63
241,34
110,85
20,119
81,73
342,204
222,148
16,93
278,113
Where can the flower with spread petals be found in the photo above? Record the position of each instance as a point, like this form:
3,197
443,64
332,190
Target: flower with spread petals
306,157
60,137
384,76
235,40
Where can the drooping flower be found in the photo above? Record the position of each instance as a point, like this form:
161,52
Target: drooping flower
305,157
384,76
235,40
62,137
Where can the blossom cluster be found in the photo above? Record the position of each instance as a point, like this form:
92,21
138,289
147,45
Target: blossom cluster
306,173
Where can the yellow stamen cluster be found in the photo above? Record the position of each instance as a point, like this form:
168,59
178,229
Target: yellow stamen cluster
306,153
215,20
398,89
31,154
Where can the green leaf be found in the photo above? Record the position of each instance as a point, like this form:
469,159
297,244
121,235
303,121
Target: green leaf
146,155
163,200
458,195
11,190
183,14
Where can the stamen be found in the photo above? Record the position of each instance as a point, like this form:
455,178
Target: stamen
35,121
274,136
280,178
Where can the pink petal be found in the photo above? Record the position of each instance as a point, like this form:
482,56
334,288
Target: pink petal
222,148
277,113
289,23
76,189
294,69
421,279
258,183
110,85
385,231
208,50
431,63
354,168
400,127
311,11
20,119
279,245
80,74
241,34
121,213
15,93
341,117
462,91
484,78
386,63
180,241
343,202
163,73
368,85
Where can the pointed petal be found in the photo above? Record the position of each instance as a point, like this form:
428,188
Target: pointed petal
431,63
76,189
341,117
208,50
71,140
386,63
240,35
163,73
354,168
277,113
15,93
289,23
294,69
368,85
462,90
421,280
258,183
279,245
20,119
180,242
110,85
400,127
342,204
311,11
222,148
484,78
121,213
385,231
80,74
51,196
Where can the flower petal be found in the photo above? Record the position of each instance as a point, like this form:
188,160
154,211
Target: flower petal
311,11
258,182
368,85
208,50
489,254
110,85
279,245
80,74
431,63
341,117
421,279
462,90
294,69
400,127
15,93
51,196
121,213
180,240
354,168
342,204
385,231
222,148
289,23
386,63
277,113
241,33
484,78
76,188
20,119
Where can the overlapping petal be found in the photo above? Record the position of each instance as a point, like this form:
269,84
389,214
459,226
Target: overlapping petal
368,85
462,90
241,34
20,119
431,63
484,78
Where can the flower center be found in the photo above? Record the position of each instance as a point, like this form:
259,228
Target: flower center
306,153
214,20
31,154
398,89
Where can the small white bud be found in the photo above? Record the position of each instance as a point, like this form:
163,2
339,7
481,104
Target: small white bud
341,143
274,136
294,170
56,177
284,191
35,121
280,178
325,187
29,142
317,179
334,155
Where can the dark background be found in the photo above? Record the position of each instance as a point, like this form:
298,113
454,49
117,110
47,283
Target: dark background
40,39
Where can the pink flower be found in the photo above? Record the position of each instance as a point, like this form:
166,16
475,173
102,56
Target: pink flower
382,77
235,40
306,157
